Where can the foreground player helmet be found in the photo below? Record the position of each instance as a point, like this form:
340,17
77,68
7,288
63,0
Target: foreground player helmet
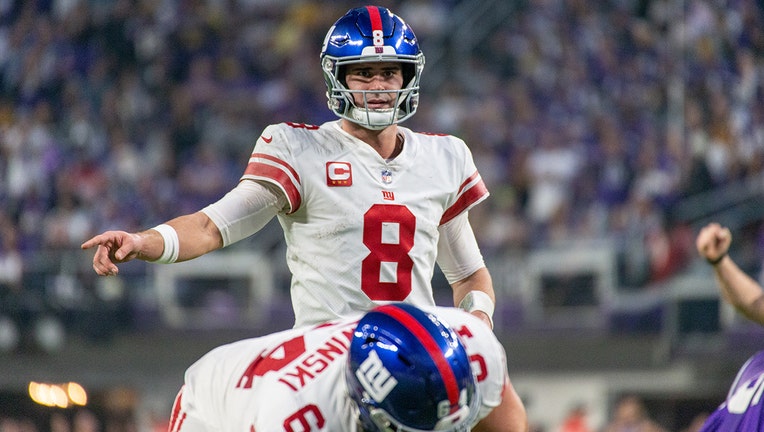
408,371
371,34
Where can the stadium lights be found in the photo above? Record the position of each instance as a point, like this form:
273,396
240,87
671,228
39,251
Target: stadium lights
58,395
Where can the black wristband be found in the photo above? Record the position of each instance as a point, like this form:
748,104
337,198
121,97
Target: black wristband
717,260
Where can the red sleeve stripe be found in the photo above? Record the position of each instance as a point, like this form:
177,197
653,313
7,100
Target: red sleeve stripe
475,193
176,418
432,348
279,174
374,16
260,171
278,162
471,179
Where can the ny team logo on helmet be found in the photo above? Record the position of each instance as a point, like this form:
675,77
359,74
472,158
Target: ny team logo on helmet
371,34
408,371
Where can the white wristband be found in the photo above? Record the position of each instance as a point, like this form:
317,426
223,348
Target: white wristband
171,244
478,301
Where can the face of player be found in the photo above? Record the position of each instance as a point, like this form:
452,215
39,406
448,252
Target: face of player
373,79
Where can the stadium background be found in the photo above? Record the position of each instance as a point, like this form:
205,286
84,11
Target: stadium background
608,133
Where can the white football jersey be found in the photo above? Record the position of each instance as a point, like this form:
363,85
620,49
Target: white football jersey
361,230
294,380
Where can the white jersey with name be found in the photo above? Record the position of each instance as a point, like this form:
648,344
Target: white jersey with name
293,381
361,230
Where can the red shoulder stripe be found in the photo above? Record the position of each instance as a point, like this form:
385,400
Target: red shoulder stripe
467,199
278,176
279,162
176,420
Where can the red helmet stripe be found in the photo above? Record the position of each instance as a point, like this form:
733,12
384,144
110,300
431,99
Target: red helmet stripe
430,346
376,19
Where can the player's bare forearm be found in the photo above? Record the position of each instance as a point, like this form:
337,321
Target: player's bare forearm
478,281
197,235
509,416
740,290
737,288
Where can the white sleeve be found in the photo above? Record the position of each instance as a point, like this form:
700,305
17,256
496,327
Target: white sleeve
245,210
458,252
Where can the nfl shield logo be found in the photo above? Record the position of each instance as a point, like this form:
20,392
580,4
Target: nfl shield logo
387,176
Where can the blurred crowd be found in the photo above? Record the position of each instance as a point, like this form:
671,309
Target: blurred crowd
586,119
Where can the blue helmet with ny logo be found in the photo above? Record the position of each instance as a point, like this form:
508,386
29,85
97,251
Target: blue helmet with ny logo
371,34
409,371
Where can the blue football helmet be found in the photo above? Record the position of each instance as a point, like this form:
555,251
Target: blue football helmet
408,371
371,34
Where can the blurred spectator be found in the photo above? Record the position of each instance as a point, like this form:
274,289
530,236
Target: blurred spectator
203,179
696,423
630,415
66,223
9,424
59,423
612,165
503,230
85,421
577,420
11,264
551,167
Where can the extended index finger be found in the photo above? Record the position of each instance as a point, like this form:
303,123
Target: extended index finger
93,241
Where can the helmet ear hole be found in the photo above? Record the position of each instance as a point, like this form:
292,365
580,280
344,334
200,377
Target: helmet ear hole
409,72
341,74
405,360
412,102
340,105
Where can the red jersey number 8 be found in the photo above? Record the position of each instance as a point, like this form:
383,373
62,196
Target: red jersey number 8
388,233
